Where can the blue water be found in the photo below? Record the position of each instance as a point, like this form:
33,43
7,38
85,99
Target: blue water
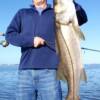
88,91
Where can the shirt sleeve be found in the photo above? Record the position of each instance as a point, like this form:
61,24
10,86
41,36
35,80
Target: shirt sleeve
14,35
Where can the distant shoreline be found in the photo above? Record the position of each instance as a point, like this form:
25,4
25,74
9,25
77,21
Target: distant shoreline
15,65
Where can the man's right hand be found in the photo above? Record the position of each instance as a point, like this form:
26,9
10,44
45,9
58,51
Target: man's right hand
38,41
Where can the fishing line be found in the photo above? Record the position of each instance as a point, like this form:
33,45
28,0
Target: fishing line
89,49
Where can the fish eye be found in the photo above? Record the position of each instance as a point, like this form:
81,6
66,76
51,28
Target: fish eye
55,2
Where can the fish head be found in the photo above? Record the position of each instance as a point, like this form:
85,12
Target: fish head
59,8
64,11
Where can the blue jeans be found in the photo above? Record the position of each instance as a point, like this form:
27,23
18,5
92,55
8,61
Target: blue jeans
38,85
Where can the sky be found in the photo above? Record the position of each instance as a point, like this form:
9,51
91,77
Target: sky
11,54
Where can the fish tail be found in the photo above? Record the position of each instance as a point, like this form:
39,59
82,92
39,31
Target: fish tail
83,75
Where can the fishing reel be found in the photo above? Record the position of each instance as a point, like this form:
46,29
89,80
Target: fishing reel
4,43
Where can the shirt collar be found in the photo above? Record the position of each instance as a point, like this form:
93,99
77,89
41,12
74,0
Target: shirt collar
48,7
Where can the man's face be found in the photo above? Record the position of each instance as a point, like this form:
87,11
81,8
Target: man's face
38,2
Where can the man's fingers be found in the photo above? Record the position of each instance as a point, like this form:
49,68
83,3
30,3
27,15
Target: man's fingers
36,43
42,42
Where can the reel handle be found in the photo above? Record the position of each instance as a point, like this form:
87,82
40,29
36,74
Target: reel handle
4,43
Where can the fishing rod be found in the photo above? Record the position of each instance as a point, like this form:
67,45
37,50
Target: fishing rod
4,43
90,49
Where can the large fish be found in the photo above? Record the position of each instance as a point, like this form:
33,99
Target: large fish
68,38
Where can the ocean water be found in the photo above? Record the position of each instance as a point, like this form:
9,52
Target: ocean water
88,91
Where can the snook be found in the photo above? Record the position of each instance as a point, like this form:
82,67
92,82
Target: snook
68,38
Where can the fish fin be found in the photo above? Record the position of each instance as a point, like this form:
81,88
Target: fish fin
79,32
76,28
83,75
60,76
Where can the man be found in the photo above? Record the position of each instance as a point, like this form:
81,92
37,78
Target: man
33,30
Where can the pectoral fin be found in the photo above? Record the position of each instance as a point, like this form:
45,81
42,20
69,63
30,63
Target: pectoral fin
79,32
